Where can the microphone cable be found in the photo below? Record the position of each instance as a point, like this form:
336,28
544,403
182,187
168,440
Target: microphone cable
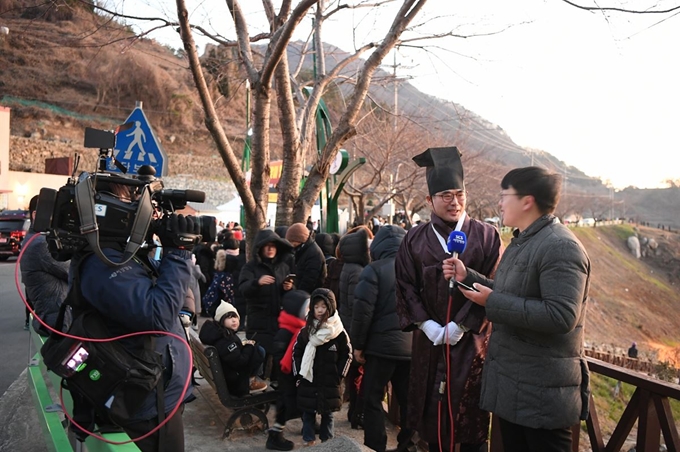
445,385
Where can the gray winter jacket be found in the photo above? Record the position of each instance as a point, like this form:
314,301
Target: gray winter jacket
535,372
45,281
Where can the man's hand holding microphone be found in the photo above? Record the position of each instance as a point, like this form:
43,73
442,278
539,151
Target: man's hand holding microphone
454,270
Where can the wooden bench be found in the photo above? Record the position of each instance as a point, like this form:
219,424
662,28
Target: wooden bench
250,410
49,410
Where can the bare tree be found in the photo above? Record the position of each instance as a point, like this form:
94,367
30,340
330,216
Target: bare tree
296,112
388,143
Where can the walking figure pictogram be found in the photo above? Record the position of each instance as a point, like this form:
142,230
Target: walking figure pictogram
139,138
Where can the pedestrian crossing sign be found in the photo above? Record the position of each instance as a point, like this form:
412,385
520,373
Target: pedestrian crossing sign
137,145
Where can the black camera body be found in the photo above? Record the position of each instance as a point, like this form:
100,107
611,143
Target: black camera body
114,201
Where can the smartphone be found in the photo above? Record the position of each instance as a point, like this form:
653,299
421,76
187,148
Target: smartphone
465,286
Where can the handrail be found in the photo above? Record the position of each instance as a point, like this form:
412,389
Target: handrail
649,405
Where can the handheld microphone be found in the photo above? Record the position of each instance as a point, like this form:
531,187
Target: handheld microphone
456,245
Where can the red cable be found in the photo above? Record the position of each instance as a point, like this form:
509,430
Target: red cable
85,339
448,372
447,359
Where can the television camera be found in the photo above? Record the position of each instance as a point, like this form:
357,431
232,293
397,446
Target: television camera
105,208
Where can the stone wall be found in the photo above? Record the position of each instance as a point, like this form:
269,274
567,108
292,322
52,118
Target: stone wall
207,174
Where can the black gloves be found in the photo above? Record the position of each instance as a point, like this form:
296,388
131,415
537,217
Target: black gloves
178,231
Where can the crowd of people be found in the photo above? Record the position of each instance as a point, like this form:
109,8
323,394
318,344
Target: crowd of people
329,319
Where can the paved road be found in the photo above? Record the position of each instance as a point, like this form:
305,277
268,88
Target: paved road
15,341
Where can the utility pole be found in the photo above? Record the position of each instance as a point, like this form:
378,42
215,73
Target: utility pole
396,81
396,90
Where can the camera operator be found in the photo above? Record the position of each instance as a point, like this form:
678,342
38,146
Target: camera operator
144,295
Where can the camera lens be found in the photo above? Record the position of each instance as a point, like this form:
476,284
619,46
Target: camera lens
207,226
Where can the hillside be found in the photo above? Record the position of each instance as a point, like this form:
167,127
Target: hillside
631,299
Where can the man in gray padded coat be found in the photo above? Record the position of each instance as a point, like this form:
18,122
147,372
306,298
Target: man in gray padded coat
535,378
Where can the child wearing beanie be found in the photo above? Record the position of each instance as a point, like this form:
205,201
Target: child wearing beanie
241,360
321,356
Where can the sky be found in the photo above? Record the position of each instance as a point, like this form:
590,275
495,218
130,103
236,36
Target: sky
597,90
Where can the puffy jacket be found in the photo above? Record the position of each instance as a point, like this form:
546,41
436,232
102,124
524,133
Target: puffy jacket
535,372
310,266
330,365
45,280
131,301
238,360
375,325
263,303
354,252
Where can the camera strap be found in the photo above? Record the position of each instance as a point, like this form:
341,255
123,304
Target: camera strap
90,229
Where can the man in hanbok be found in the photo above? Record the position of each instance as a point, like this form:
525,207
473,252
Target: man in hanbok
450,332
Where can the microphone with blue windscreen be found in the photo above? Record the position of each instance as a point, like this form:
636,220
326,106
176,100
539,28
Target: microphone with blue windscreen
456,245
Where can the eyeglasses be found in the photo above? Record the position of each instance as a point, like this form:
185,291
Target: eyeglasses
447,197
502,195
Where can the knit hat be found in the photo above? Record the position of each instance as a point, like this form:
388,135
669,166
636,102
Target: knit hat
296,302
223,309
297,232
327,296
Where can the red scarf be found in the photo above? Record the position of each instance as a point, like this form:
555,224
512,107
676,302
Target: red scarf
294,325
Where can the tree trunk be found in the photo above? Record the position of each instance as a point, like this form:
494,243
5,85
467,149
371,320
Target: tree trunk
291,174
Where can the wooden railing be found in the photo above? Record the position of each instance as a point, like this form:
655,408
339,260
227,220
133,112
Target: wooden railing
621,360
649,405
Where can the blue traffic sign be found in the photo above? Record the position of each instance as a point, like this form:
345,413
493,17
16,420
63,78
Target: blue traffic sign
137,145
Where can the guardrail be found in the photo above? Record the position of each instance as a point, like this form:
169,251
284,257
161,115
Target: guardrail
49,411
649,406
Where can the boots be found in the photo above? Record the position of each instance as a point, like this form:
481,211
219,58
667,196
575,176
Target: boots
276,441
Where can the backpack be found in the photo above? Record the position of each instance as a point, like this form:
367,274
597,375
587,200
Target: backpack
103,377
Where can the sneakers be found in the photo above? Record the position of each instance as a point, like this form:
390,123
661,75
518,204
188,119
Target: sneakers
257,385
26,326
309,443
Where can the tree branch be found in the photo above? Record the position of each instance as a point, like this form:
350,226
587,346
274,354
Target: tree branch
621,10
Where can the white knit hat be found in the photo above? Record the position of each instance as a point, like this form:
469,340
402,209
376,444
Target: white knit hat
223,309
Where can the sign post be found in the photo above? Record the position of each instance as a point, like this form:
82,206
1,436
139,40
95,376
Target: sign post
138,146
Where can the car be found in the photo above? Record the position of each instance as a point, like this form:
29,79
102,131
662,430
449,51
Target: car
9,213
13,228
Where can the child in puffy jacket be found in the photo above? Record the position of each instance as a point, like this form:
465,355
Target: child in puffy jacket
295,305
241,360
321,356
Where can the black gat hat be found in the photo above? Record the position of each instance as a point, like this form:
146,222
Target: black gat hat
444,169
